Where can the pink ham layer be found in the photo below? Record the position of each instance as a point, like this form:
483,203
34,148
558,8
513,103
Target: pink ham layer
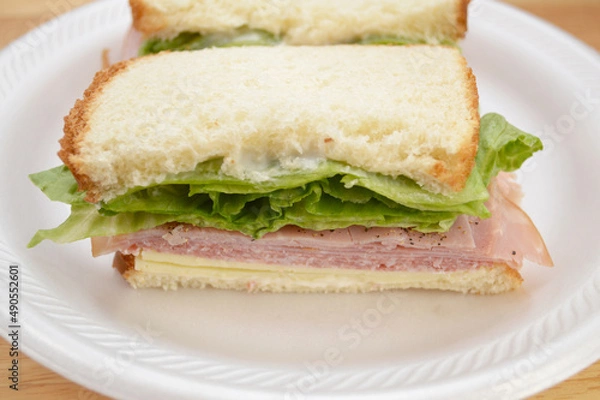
131,45
508,237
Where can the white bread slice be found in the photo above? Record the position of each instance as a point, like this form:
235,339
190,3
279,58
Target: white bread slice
483,280
308,22
396,110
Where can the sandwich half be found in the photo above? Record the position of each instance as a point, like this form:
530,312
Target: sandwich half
296,169
196,24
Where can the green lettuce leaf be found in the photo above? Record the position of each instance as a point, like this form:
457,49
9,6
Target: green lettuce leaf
398,41
333,195
85,222
58,184
196,41
250,37
503,147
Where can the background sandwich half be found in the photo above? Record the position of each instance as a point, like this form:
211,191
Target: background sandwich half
342,168
195,24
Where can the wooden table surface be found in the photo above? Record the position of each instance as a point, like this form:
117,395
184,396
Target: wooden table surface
579,17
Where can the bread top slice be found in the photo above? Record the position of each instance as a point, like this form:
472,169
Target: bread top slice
395,110
306,22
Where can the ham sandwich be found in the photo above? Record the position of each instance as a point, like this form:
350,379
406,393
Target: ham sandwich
296,169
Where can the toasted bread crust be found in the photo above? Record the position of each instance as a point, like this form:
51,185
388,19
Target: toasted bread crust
457,177
512,274
461,19
76,126
146,19
125,264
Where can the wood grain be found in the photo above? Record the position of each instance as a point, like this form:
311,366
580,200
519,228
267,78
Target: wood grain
579,17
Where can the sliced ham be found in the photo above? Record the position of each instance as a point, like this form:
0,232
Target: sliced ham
508,237
510,231
131,45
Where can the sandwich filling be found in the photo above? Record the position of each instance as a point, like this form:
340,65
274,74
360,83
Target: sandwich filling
251,37
285,178
305,22
331,196
473,256
507,237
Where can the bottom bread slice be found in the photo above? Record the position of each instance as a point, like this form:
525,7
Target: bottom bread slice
143,273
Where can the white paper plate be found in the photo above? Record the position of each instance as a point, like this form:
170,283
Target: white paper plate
80,319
